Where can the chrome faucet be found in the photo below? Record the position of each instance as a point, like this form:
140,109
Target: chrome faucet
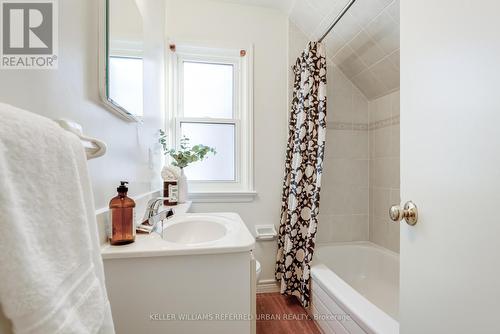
153,206
152,216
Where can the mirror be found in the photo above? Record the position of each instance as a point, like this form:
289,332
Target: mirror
122,90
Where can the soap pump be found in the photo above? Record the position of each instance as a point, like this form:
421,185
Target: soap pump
122,213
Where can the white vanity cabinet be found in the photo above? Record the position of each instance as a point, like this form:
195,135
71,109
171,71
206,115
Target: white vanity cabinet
156,286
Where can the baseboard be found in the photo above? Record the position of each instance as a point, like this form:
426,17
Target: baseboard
267,286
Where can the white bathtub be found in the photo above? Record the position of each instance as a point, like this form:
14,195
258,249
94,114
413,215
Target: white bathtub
355,288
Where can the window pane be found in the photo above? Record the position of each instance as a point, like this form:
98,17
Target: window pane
218,167
208,90
125,83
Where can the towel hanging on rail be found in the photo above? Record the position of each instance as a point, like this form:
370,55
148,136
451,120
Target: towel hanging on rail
51,265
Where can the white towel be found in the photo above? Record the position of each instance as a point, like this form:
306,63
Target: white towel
51,271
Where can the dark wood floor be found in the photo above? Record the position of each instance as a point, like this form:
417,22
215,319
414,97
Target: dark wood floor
277,314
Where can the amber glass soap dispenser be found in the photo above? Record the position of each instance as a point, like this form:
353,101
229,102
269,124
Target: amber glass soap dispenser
121,208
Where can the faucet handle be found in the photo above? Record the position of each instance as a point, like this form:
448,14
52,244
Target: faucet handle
153,206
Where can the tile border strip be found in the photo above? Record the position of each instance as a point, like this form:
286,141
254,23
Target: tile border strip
363,126
347,126
384,123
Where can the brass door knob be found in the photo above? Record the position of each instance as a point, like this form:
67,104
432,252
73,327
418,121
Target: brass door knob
409,213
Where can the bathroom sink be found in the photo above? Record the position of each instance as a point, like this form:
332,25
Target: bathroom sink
192,230
189,234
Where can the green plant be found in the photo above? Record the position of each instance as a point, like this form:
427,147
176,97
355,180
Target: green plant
186,154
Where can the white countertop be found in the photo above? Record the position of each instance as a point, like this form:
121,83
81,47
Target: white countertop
238,239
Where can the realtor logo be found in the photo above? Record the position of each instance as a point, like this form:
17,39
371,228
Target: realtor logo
29,34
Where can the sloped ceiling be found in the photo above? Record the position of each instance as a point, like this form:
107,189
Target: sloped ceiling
364,44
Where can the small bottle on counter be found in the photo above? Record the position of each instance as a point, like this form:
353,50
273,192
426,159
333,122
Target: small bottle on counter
170,186
122,213
171,191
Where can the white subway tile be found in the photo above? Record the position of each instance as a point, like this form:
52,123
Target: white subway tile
371,86
348,61
366,48
385,71
384,30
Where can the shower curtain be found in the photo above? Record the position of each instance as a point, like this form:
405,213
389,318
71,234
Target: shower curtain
303,169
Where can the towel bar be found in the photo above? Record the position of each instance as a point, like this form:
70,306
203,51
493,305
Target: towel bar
93,147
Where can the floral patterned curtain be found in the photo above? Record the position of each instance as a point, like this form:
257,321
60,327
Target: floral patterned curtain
303,169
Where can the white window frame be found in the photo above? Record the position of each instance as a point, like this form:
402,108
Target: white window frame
242,188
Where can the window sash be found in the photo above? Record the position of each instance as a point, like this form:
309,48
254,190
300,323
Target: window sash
181,58
233,101
237,144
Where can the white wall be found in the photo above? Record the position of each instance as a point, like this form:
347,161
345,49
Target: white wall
71,92
266,29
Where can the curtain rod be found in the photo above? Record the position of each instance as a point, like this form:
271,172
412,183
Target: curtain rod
337,19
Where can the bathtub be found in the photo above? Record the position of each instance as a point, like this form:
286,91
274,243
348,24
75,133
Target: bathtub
355,288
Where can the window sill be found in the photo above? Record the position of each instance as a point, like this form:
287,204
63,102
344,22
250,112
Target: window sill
222,196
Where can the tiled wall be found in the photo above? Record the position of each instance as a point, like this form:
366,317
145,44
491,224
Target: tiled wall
345,186
361,168
384,169
344,204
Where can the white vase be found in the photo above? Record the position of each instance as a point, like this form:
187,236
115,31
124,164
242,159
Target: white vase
183,187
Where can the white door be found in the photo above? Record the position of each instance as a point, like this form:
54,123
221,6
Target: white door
450,166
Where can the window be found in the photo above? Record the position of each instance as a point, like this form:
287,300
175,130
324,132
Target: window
210,93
